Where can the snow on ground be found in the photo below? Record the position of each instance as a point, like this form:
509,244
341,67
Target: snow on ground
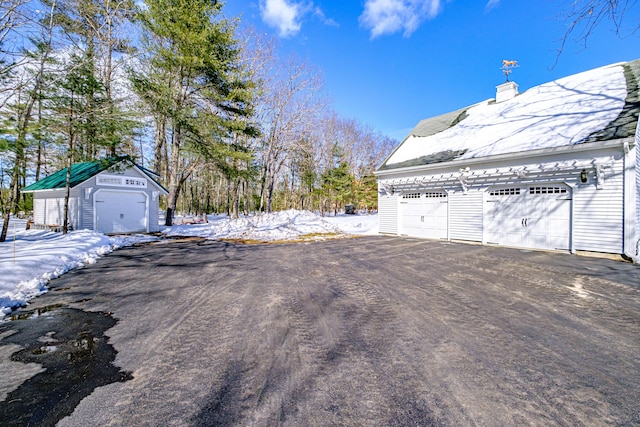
29,259
285,225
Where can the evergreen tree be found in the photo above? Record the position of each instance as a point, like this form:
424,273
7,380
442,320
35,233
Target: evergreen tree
27,98
194,87
337,182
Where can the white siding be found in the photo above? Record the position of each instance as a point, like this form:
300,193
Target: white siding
637,196
388,214
54,211
598,214
50,211
87,198
38,210
465,215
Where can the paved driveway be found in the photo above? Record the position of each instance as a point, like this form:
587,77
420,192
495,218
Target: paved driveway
367,331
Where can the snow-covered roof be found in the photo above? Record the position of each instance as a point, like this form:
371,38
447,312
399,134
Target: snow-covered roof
596,105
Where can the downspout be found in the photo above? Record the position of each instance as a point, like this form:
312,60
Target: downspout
572,219
631,220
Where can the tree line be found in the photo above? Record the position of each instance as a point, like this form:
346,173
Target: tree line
228,124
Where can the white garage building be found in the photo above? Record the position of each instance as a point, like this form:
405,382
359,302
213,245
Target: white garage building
555,167
108,196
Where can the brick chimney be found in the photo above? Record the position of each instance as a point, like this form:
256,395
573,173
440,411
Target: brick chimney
506,91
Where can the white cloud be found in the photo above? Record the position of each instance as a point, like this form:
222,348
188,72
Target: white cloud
319,13
391,16
286,15
283,15
491,4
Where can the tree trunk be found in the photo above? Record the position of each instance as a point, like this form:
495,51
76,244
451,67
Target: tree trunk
174,178
65,224
236,198
159,155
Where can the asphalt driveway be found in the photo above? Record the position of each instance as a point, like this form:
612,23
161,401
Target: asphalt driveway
366,331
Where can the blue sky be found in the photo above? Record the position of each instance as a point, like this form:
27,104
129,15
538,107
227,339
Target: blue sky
392,63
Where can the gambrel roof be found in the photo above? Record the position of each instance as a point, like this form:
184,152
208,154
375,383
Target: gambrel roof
80,172
596,105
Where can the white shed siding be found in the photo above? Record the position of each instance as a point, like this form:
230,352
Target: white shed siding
85,192
86,210
51,211
598,214
88,189
388,214
465,215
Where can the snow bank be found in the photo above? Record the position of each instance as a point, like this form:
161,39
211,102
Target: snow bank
285,225
31,258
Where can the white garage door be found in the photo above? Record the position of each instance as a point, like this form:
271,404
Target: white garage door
120,211
532,217
424,214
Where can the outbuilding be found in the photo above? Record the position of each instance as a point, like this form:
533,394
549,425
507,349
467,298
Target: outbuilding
555,167
109,196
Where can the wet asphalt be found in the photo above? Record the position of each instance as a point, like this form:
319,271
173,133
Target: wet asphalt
366,331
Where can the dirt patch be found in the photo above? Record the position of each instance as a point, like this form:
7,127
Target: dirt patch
311,237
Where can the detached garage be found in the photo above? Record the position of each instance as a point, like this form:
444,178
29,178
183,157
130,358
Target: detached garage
555,167
108,196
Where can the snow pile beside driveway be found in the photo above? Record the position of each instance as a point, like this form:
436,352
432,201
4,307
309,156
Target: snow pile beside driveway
285,225
44,255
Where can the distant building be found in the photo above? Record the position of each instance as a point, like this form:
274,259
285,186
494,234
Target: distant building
555,167
108,196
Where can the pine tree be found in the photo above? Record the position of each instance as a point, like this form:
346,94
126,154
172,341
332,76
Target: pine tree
193,87
337,181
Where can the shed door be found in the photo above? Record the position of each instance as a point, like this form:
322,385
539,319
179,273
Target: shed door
120,211
424,214
533,217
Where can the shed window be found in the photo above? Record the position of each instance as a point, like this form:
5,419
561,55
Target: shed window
505,192
547,190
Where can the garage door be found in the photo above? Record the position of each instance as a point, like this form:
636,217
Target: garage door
120,211
532,216
424,214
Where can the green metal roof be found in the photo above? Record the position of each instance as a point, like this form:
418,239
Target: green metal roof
80,172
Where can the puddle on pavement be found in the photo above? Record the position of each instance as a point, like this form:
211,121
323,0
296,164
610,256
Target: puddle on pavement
71,346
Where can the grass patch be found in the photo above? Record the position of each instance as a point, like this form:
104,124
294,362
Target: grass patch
311,237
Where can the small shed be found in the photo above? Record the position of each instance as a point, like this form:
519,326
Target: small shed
555,168
109,196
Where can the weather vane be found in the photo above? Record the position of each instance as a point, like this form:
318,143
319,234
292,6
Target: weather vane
508,66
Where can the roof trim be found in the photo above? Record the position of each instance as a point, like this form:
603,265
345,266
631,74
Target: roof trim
576,148
143,170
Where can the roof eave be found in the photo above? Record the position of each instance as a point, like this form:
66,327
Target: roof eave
163,190
24,190
576,148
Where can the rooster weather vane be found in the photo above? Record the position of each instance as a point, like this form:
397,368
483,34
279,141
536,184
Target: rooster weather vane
508,66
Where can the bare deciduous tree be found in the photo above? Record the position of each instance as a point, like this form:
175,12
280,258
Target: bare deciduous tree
582,17
288,108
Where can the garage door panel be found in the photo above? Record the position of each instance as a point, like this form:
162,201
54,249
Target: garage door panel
535,217
120,211
424,214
